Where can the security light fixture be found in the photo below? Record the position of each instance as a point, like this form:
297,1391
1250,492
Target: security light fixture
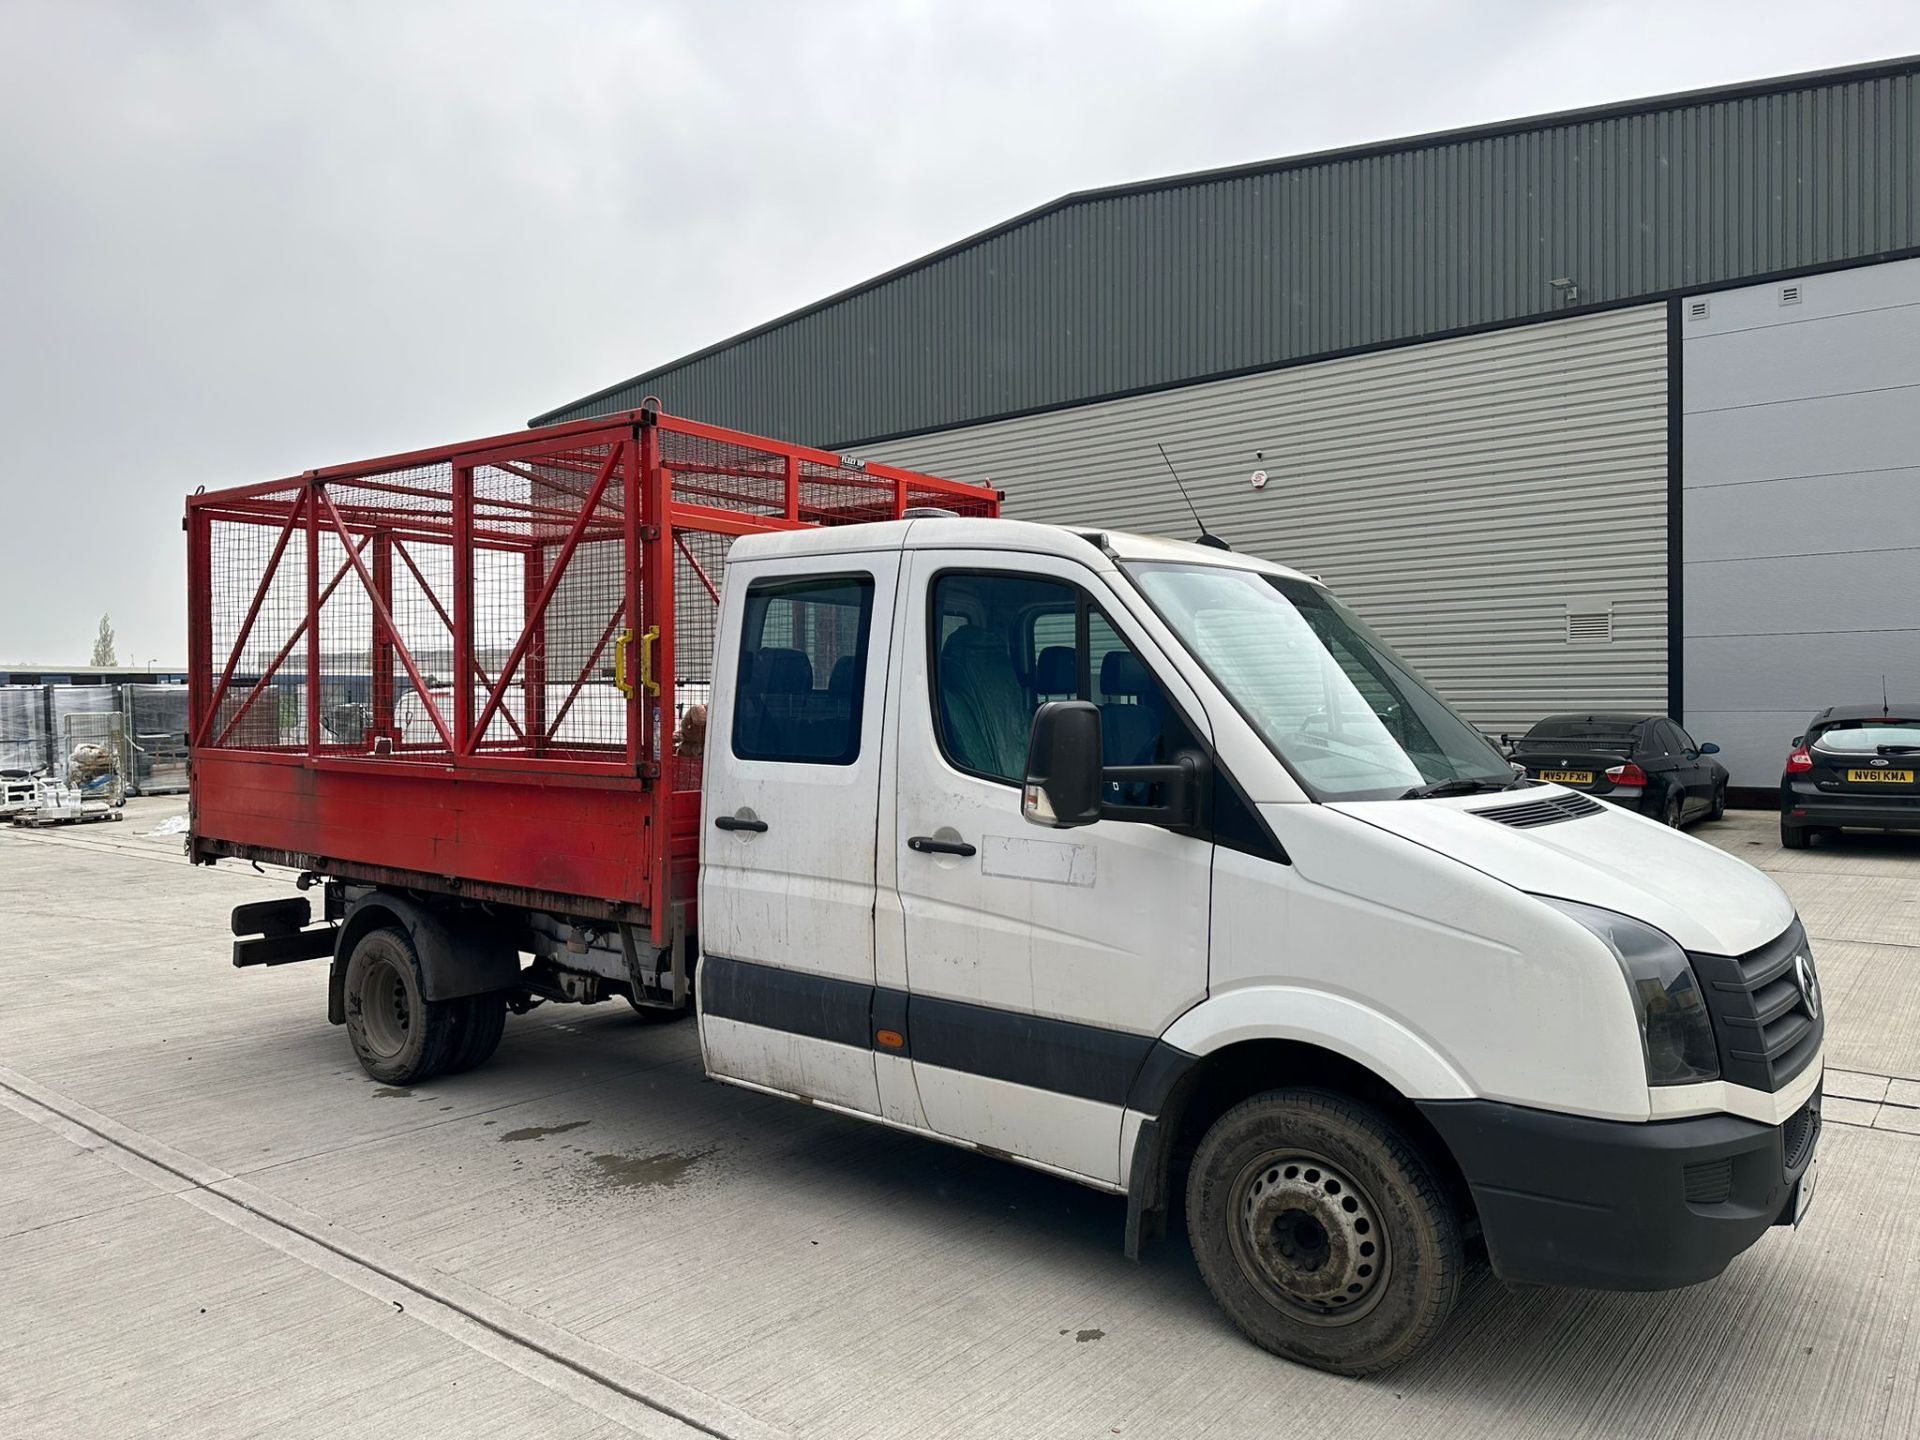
1566,289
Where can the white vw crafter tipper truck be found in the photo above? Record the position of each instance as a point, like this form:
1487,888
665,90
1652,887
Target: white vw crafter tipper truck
1135,860
1140,862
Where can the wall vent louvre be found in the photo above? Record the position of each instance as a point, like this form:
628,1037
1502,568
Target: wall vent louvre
1589,627
1696,310
1789,294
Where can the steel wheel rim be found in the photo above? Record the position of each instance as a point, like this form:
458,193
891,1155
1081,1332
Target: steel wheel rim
1309,1237
386,1017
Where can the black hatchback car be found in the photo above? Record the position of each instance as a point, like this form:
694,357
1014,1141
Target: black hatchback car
1641,762
1857,766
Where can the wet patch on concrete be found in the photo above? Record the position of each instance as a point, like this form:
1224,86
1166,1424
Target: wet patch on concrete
1080,1337
540,1132
392,1092
660,1171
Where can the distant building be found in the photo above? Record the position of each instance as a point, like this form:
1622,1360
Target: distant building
26,674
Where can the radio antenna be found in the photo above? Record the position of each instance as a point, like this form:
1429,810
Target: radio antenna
1884,712
1207,537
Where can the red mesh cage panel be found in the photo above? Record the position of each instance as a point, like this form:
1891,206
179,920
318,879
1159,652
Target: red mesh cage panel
534,609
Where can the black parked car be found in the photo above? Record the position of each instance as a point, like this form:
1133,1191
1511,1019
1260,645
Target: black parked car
1857,765
1642,762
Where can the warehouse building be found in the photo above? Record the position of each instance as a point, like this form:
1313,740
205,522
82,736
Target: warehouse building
1611,409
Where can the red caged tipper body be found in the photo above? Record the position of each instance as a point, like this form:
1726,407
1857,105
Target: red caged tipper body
471,671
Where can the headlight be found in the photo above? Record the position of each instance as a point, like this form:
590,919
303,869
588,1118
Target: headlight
1674,1029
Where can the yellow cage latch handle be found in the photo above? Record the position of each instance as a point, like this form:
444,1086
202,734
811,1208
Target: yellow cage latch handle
648,680
622,676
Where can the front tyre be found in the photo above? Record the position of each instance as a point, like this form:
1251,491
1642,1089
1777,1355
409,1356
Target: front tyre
399,1036
1323,1232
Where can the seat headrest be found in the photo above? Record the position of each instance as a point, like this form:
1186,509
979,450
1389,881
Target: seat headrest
973,642
841,679
779,671
1121,673
1057,671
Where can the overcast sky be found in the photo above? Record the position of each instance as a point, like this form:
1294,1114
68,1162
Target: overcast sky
238,240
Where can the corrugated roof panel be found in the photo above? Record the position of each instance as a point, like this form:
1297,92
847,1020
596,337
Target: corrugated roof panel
1202,276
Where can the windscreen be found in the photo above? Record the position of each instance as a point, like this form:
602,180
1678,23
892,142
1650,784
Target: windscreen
1345,714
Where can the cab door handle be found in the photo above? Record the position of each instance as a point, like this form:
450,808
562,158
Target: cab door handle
927,845
735,822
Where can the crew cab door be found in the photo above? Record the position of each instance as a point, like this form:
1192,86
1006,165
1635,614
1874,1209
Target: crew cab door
787,850
1041,965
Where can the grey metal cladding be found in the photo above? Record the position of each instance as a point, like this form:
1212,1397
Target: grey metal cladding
1196,277
1464,496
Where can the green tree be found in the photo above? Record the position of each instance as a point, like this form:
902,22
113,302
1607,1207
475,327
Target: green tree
103,644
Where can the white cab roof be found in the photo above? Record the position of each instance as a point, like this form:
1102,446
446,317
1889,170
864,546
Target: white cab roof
1093,547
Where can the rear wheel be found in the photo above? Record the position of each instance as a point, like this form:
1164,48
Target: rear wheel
1792,836
1673,811
1323,1232
481,1020
399,1036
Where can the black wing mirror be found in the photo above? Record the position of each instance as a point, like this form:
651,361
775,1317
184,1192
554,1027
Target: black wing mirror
1066,784
1063,765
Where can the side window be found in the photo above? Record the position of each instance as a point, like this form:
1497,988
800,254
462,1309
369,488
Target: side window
1006,644
1659,738
998,640
1682,741
803,670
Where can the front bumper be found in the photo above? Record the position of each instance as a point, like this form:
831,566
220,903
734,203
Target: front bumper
1612,1205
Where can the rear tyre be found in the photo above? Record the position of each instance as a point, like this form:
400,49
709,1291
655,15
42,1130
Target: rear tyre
1792,836
1672,812
482,1019
399,1036
1323,1232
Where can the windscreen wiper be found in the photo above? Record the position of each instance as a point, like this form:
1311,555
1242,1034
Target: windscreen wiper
1454,787
1899,749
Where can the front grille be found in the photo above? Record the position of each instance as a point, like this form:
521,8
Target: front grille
1799,1133
1710,1182
1550,811
1767,1027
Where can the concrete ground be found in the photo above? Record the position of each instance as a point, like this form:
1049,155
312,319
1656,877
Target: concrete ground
212,1223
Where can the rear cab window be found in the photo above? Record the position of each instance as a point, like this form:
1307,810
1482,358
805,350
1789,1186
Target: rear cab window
803,668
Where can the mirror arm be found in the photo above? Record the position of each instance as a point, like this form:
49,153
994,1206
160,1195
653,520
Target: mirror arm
1181,778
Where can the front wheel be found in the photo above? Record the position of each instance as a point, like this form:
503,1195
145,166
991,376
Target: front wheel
1323,1232
1719,811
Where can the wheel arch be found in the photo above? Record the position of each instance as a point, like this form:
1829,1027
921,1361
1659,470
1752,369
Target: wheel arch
458,956
1252,1052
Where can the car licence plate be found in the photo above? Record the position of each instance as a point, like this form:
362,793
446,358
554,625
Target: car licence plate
1803,1191
1875,777
1568,777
